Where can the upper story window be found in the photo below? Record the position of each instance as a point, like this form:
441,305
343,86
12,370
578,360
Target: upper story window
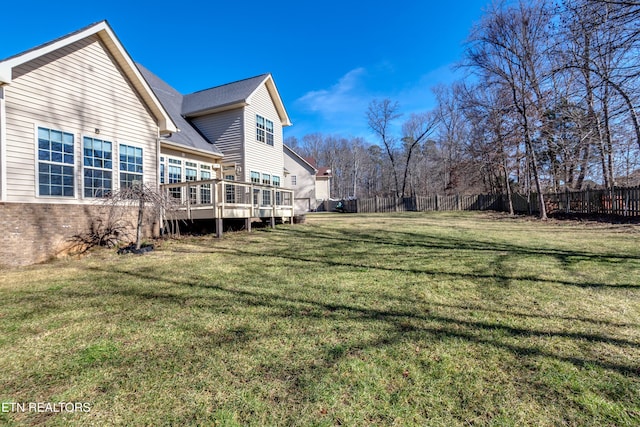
130,165
294,180
255,177
260,128
269,132
264,130
276,181
55,163
98,167
266,179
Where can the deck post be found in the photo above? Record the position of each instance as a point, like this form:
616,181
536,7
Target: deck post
188,197
251,214
223,197
293,209
214,198
218,228
219,209
273,208
247,224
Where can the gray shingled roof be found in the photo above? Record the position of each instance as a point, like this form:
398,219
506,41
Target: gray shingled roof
221,96
173,101
54,40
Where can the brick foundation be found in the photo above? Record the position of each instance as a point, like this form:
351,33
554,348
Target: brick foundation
33,233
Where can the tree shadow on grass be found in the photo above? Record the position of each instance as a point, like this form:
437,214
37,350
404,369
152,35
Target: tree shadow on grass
447,326
428,241
334,249
299,374
342,262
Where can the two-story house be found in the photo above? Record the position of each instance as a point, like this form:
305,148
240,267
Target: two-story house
80,119
243,121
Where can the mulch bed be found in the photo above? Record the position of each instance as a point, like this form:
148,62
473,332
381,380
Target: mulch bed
131,249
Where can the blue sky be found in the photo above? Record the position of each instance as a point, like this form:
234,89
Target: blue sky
329,58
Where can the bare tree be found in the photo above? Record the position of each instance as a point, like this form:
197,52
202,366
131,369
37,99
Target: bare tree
115,221
415,131
380,116
508,49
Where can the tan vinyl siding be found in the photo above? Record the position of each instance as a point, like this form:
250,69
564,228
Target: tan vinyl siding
259,156
76,89
305,187
225,130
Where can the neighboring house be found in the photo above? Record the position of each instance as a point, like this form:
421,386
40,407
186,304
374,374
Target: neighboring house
78,119
311,183
323,185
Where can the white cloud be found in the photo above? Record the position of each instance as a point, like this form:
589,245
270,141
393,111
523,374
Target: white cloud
340,98
340,109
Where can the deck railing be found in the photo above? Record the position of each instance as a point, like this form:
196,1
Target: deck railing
220,199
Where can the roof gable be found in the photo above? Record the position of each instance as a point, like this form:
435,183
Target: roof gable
288,151
115,48
172,100
233,95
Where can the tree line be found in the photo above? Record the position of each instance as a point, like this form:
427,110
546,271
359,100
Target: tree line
549,103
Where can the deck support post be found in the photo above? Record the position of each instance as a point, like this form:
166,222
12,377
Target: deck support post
247,224
293,207
273,208
218,227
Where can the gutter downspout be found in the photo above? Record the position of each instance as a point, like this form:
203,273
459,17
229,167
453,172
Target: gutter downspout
3,146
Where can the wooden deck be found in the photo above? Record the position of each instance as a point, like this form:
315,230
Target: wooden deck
219,199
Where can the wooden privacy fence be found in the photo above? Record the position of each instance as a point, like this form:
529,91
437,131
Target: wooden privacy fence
620,201
425,203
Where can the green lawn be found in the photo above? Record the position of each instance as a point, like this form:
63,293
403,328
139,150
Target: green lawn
435,319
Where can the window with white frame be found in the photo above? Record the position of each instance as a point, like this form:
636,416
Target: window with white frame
266,193
276,183
175,176
269,132
294,180
229,189
162,170
266,197
191,174
98,167
260,128
130,165
55,163
264,130
205,189
255,179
